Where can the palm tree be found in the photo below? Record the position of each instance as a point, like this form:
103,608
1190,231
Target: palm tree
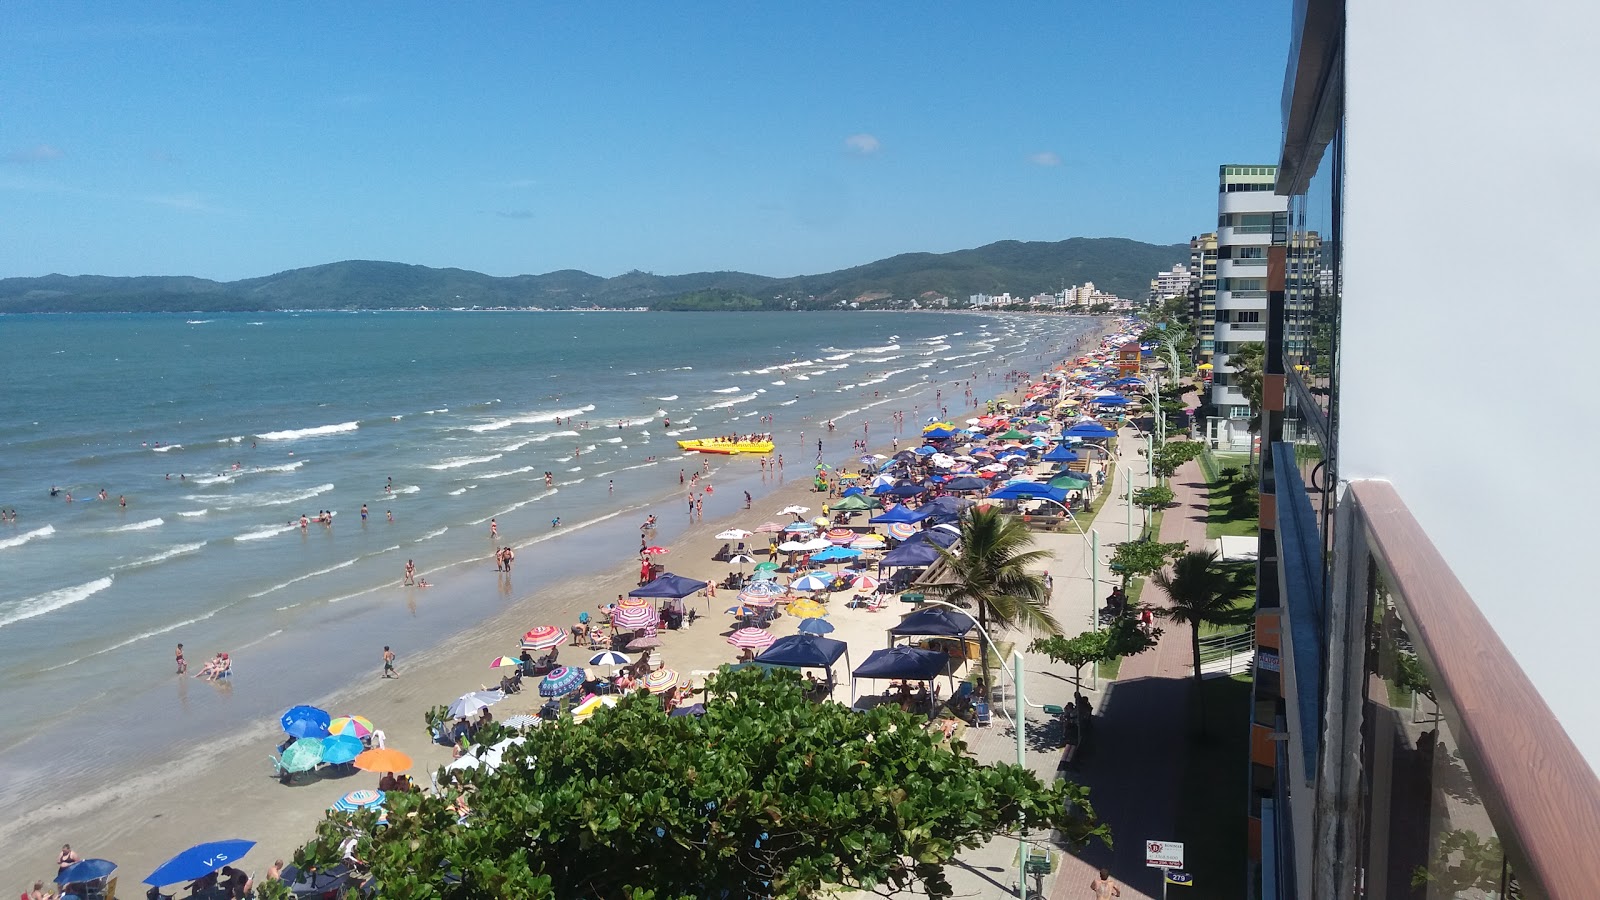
990,572
1202,593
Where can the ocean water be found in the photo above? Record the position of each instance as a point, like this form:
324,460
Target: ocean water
220,431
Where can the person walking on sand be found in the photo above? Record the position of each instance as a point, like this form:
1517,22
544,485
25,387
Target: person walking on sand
388,663
1103,887
411,573
494,529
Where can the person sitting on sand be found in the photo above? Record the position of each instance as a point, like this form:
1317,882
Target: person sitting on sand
39,893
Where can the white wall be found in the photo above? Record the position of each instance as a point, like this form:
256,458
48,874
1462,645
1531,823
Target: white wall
1469,376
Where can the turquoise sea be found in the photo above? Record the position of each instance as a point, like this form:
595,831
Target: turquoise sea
222,430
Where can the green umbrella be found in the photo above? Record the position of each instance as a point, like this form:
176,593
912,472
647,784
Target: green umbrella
303,755
766,567
1069,482
1013,435
856,503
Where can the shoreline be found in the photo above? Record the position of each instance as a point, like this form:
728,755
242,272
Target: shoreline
226,786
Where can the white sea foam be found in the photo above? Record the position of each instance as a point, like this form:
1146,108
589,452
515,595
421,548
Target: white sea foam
789,402
167,447
199,321
613,440
192,513
508,472
408,489
838,356
27,536
780,382
299,578
263,533
731,390
669,397
460,461
529,419
516,506
727,403
138,526
567,529
164,555
265,498
137,638
50,601
458,492
318,431
230,477
431,535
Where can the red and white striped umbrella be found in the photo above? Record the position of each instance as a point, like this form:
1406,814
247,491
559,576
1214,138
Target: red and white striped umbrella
628,618
751,638
543,637
841,535
864,582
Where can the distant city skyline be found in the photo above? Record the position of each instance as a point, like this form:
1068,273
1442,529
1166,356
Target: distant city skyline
233,141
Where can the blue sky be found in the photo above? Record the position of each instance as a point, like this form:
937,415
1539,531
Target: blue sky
234,140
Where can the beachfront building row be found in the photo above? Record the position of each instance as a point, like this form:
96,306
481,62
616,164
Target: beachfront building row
1423,721
1171,283
1077,296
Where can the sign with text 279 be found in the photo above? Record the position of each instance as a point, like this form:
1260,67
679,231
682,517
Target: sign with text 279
1163,854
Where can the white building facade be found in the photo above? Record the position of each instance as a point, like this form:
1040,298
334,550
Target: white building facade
1249,214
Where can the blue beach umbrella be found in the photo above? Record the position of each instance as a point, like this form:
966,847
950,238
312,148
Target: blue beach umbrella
835,554
813,582
341,748
1114,400
815,626
86,870
608,658
199,861
362,799
561,681
306,722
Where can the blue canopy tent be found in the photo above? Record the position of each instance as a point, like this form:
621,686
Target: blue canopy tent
851,492
934,621
937,434
903,662
1113,400
1090,431
1124,382
939,537
921,553
1060,453
907,489
942,510
1030,490
805,651
675,587
968,483
899,514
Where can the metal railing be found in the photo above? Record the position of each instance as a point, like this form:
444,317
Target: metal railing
1228,652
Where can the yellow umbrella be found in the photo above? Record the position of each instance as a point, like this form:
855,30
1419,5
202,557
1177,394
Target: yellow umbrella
583,711
1204,366
807,609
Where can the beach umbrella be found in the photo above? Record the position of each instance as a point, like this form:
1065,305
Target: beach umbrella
815,626
661,680
840,535
501,662
766,601
761,589
644,643
521,721
792,546
695,709
812,582
766,566
867,542
199,861
543,637
799,528
341,748
902,530
807,609
472,703
751,638
628,618
835,554
608,658
362,799
382,759
306,722
561,681
741,559
633,602
765,575
86,870
655,551
769,527
794,510
360,726
734,534
816,543
668,585
302,756
589,707
864,582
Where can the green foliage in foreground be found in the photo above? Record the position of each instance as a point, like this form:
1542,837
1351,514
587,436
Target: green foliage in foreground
767,795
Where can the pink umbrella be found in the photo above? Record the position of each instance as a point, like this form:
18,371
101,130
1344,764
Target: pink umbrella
902,530
751,638
770,527
864,582
628,618
841,535
543,637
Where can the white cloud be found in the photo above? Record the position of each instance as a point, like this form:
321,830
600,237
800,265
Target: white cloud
862,144
1045,158
36,154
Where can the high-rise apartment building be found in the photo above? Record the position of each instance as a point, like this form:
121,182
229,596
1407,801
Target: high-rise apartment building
1424,688
1203,295
1249,215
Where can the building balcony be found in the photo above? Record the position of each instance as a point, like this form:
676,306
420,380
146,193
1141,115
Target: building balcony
1245,236
1240,332
1241,268
1251,202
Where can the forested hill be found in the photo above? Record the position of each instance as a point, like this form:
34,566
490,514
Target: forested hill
1121,266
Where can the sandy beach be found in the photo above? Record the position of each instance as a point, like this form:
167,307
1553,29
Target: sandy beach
229,790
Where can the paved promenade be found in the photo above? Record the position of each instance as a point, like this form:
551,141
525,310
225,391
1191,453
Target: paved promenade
1134,765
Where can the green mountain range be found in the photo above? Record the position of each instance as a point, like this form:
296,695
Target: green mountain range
1117,265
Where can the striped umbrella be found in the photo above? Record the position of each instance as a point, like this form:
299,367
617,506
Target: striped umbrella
561,681
765,601
521,721
800,528
769,527
761,589
807,609
901,530
815,581
840,535
633,602
362,799
608,658
661,680
543,637
629,618
751,638
867,542
499,662
864,582
360,726
589,707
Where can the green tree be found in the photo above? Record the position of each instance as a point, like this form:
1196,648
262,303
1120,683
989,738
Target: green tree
1248,362
991,573
1123,638
1156,496
1143,557
1202,592
766,795
1172,454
